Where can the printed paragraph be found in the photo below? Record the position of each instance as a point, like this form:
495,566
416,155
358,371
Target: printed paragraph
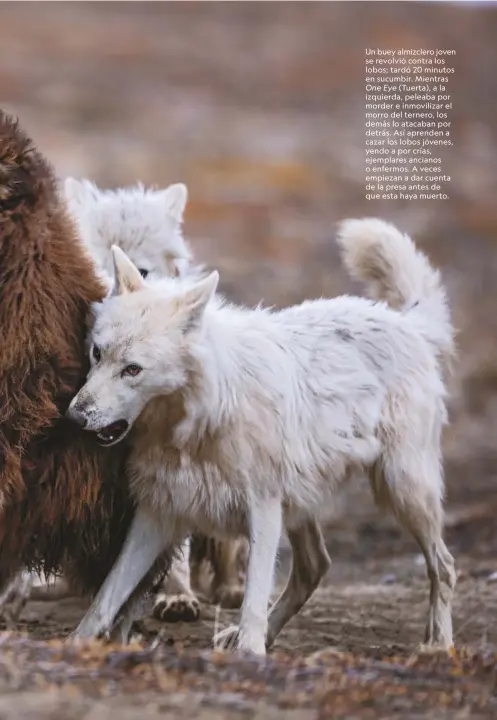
407,123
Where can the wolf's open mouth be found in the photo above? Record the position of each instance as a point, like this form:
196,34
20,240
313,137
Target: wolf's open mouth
113,432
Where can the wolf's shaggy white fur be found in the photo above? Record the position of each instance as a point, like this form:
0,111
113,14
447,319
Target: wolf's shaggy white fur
145,223
247,420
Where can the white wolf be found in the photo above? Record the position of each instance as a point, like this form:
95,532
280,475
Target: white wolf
147,225
247,420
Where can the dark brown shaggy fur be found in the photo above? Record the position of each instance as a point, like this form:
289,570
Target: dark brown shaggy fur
63,500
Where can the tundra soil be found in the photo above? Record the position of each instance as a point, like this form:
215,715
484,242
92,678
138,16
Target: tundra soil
352,651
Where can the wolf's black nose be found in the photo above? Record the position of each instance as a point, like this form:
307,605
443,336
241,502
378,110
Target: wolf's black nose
77,416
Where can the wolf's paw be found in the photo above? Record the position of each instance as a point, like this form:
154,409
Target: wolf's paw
93,627
234,639
434,648
76,640
438,634
229,597
226,639
176,608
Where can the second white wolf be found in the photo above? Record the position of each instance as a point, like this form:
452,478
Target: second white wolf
247,421
145,223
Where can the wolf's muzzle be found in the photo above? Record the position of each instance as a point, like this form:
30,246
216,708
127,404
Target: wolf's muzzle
77,416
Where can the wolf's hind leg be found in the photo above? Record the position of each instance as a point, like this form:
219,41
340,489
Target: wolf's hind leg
413,492
310,562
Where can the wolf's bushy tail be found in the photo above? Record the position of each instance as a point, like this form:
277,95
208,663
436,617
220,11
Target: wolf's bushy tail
393,270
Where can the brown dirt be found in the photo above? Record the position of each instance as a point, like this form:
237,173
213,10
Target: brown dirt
350,653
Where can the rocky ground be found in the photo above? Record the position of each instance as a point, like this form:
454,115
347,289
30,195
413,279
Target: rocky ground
258,107
352,652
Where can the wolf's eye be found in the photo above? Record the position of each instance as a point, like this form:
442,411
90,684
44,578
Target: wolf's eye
96,353
131,370
143,272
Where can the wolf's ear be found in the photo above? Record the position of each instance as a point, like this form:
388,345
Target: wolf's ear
174,198
195,300
78,192
128,277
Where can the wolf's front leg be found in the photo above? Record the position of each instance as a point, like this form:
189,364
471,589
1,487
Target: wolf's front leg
146,540
265,532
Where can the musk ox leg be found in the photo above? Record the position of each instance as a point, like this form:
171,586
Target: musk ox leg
146,540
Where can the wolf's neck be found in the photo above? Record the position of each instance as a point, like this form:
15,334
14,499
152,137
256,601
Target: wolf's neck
215,373
221,365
